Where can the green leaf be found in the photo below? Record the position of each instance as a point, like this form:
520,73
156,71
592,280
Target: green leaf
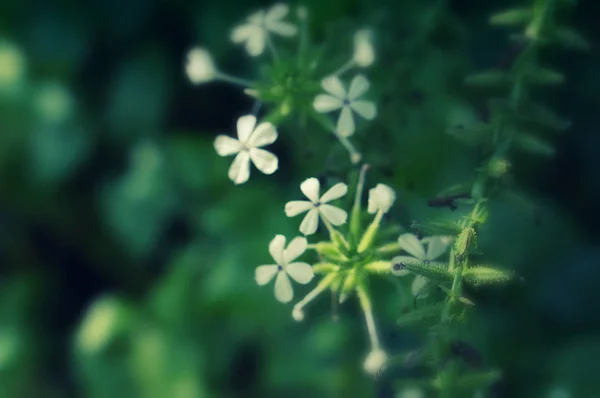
533,144
490,78
544,76
432,270
465,242
478,380
477,134
570,39
437,227
542,116
512,17
423,317
484,276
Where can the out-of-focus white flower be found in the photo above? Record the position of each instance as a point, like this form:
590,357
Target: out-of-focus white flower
381,198
246,148
375,361
53,102
317,206
12,66
259,25
200,67
364,54
411,392
436,246
348,101
298,271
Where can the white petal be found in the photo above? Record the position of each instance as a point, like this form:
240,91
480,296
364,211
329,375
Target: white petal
418,285
226,146
265,161
256,42
333,214
300,272
264,134
358,87
310,188
277,11
382,197
264,273
296,207
276,248
257,18
282,28
364,54
400,260
245,125
435,248
324,103
296,247
335,192
310,222
345,125
200,67
333,85
239,171
366,109
411,244
283,288
243,33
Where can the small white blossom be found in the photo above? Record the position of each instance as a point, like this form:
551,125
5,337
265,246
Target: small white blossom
317,206
200,67
436,246
375,361
381,198
246,148
347,101
364,54
259,25
298,271
298,314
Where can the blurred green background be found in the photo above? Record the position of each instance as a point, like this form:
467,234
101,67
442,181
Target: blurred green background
127,256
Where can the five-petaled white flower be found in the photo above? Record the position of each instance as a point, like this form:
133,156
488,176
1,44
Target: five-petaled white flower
299,271
381,198
200,67
317,206
348,101
436,246
259,25
246,148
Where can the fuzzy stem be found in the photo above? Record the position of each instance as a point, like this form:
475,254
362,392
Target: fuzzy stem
344,68
321,286
233,80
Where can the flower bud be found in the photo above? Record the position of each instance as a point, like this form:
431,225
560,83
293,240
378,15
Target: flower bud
364,54
375,361
200,67
381,198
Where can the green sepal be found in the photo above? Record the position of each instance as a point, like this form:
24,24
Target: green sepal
465,242
423,317
379,267
339,240
325,268
515,16
431,270
532,144
330,251
490,78
348,286
485,276
437,227
569,39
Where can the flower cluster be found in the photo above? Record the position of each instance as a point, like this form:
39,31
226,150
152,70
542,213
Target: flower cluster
291,85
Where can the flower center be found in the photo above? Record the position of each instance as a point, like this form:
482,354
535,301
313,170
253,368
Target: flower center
346,102
317,204
399,267
279,267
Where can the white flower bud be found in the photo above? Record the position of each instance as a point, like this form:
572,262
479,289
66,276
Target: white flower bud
381,198
298,314
200,67
364,53
375,361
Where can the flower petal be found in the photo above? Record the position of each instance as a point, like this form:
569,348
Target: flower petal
435,248
300,272
239,171
400,260
333,214
243,33
277,12
366,109
256,42
324,103
245,125
310,222
358,87
418,286
283,288
345,125
411,244
264,134
295,248
310,188
282,28
225,145
335,192
334,86
381,198
296,207
276,248
264,273
265,161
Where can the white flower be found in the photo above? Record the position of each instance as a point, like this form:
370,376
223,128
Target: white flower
381,198
364,54
200,67
375,361
317,206
300,272
436,246
246,147
348,101
259,25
